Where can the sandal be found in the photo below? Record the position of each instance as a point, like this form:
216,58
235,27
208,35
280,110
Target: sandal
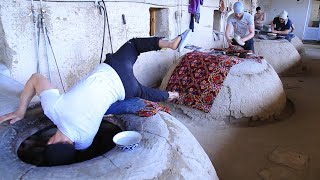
183,40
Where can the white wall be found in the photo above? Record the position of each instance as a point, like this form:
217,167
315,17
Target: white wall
297,11
76,29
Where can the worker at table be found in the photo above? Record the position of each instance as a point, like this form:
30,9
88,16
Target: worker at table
281,25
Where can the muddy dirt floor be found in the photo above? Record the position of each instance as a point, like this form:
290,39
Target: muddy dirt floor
286,149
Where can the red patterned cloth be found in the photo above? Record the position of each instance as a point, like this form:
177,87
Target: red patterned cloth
199,77
233,49
240,52
151,108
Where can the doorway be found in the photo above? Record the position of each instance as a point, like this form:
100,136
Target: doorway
159,24
312,31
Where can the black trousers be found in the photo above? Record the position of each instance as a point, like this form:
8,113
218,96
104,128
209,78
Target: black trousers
249,45
122,62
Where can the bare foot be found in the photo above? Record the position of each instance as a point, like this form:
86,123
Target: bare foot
173,95
175,42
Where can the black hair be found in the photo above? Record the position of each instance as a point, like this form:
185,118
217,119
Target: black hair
59,154
258,8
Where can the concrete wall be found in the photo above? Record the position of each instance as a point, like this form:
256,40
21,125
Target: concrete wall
76,30
297,11
5,51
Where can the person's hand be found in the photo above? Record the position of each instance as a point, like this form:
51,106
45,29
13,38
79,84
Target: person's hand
173,95
230,42
274,31
242,40
13,117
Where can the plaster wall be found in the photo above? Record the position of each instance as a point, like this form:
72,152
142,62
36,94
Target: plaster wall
297,11
76,30
247,5
5,51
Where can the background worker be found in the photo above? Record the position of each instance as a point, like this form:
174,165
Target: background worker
243,27
259,19
282,25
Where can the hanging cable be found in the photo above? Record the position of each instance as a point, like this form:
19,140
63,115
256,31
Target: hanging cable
54,57
104,27
105,19
42,26
108,25
34,17
178,16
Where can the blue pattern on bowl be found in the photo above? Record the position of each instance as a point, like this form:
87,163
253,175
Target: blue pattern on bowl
128,147
127,140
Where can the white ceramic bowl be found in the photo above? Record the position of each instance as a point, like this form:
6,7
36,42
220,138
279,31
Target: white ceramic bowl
238,40
127,140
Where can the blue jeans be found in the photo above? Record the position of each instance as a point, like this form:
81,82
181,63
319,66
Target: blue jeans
127,106
289,37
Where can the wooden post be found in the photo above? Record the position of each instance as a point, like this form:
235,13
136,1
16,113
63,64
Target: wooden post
152,21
